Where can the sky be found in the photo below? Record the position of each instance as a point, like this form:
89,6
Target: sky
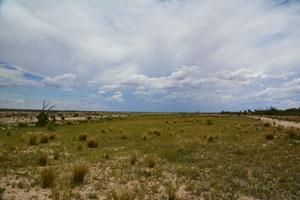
150,55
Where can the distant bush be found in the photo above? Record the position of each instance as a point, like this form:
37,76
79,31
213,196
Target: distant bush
79,172
62,117
144,137
48,176
76,115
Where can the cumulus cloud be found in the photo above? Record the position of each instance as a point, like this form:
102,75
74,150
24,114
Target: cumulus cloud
64,81
116,97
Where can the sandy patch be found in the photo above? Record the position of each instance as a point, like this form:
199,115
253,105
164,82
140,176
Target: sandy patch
276,122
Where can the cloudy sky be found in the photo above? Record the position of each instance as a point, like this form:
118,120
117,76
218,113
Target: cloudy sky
150,55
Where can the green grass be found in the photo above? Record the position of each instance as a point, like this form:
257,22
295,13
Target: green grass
228,159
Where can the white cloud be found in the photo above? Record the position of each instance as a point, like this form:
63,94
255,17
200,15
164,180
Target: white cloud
14,78
116,97
64,81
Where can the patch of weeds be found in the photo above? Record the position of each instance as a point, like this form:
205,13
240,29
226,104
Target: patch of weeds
92,143
8,133
22,138
43,159
111,129
151,160
82,137
33,139
79,172
21,185
44,139
133,158
48,176
267,124
209,122
269,136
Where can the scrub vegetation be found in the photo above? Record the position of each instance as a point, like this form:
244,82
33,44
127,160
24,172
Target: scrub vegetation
152,156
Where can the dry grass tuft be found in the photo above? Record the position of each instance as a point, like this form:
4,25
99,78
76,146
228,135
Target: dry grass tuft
52,136
33,139
56,155
267,124
124,136
79,172
269,136
48,176
43,159
291,133
92,143
123,193
155,131
80,147
44,139
82,136
151,161
144,137
133,158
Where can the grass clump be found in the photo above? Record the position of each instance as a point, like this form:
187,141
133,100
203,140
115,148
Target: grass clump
92,143
56,155
155,131
33,139
269,136
82,137
80,147
79,172
52,136
123,193
43,159
48,176
144,137
124,136
291,133
133,158
151,161
44,139
267,124
209,122
210,139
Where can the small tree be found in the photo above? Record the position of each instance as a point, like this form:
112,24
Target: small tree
43,116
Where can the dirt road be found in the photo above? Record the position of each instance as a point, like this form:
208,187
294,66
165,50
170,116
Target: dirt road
279,122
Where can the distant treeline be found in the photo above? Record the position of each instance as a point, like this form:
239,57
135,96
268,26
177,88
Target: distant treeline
269,111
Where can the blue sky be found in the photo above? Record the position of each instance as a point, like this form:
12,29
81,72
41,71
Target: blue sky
150,55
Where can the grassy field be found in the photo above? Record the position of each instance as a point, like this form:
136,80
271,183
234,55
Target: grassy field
171,156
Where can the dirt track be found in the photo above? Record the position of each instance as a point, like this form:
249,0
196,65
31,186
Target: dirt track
279,122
